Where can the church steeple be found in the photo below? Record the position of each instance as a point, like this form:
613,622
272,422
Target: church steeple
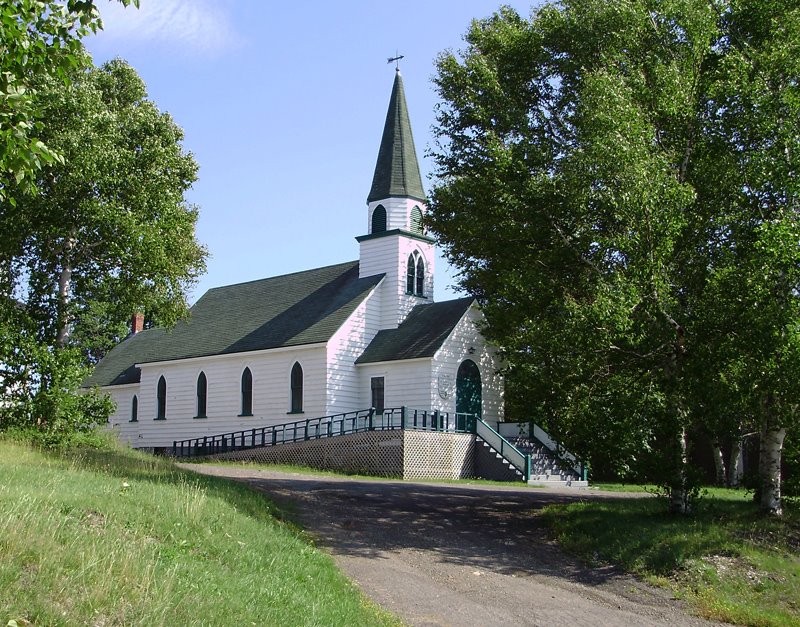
396,245
397,171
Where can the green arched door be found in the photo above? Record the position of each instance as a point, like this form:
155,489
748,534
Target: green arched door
468,391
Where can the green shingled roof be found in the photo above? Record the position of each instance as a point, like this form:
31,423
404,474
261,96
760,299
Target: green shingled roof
421,334
397,171
290,310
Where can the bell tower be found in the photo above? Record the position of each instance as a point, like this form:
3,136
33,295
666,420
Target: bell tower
396,244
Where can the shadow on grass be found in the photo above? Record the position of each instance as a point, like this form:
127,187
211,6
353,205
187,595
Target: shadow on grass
638,535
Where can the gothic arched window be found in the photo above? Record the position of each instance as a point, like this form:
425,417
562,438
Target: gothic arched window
202,395
247,392
415,274
420,277
134,409
161,396
297,388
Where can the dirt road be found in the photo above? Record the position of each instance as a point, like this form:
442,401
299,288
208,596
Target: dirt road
443,554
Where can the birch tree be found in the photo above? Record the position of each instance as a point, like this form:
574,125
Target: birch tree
598,168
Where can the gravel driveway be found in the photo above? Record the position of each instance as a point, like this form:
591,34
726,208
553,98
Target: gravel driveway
445,554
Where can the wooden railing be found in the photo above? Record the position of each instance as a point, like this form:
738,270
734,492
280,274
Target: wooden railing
325,427
519,460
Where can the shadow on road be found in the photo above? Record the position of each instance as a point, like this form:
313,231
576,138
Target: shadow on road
496,530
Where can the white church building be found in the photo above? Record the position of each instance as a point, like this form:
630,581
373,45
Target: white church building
347,337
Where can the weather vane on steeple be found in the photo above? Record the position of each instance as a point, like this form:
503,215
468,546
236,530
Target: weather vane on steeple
396,59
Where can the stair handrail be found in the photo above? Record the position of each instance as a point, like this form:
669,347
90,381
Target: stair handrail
519,460
562,454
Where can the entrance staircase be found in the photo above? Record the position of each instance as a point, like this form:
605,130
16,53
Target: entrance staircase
535,458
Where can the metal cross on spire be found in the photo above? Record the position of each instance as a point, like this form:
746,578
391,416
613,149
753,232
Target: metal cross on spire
396,58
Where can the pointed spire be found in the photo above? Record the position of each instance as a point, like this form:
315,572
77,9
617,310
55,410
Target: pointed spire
397,171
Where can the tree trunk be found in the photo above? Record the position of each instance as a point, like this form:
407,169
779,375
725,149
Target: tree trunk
64,280
679,490
719,462
735,465
769,465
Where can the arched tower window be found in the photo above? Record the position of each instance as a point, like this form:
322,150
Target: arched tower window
134,409
202,395
415,274
415,222
379,219
247,393
161,396
297,388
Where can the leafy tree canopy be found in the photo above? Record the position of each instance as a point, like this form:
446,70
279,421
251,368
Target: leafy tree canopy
618,187
38,38
108,232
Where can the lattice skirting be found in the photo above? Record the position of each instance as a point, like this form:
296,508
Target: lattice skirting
406,454
433,455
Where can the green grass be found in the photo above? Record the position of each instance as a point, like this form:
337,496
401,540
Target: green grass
307,470
624,487
729,562
114,537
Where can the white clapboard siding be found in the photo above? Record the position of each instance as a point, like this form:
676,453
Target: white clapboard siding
406,382
271,372
398,212
389,255
453,352
120,421
344,382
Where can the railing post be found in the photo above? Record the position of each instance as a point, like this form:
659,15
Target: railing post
174,448
527,467
371,416
437,421
306,434
403,416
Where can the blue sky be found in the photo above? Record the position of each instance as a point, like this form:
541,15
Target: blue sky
283,105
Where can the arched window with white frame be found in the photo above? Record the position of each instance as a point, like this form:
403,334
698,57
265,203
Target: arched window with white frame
296,389
415,274
247,393
161,398
202,395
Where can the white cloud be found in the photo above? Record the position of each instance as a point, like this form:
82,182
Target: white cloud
184,25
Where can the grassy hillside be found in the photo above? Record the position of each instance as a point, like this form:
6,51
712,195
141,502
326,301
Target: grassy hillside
731,563
116,537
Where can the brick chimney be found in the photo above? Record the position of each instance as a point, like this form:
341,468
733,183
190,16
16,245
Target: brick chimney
137,322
